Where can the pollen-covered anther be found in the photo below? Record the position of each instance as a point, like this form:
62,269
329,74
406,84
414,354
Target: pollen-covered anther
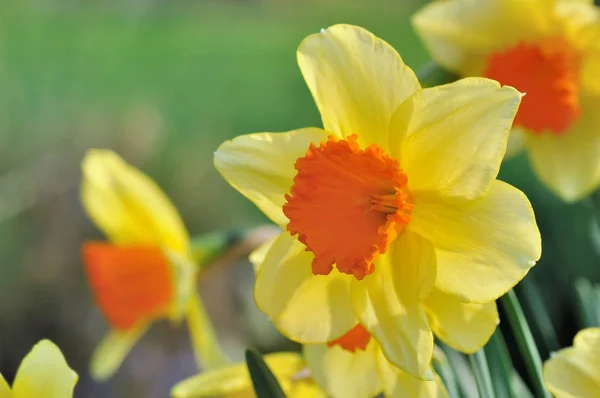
549,72
347,205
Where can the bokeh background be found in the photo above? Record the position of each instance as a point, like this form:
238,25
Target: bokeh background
163,83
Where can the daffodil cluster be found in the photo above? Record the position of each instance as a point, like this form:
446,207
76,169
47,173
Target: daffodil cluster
394,229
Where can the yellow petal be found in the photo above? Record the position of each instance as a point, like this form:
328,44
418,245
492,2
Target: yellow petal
574,372
485,246
388,302
455,136
261,166
590,82
5,391
236,379
112,350
305,388
183,271
257,257
344,374
44,373
399,384
588,340
127,205
304,307
357,81
459,34
570,164
582,27
466,327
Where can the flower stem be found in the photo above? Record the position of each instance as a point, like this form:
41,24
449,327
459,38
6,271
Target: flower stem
525,342
207,351
481,371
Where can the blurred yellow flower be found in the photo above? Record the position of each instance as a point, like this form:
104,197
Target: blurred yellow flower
341,369
549,49
398,191
354,366
145,272
43,373
574,372
234,381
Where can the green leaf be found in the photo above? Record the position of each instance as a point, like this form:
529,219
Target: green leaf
481,371
525,342
264,382
588,303
501,368
444,368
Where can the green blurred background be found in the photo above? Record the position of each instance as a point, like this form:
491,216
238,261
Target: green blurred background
163,83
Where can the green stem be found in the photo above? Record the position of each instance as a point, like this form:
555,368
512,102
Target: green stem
525,342
207,351
501,367
481,371
208,247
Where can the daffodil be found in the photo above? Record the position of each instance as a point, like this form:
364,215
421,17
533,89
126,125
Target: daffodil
574,372
43,373
392,214
548,49
145,271
234,381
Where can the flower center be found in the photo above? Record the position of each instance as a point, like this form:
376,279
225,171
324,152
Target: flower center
347,205
130,283
356,338
548,72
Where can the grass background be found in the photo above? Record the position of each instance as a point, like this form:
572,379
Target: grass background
163,84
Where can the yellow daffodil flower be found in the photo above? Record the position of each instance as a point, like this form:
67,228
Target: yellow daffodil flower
398,192
234,381
145,272
549,49
43,373
574,372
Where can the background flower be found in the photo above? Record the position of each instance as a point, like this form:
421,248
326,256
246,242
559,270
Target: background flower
547,49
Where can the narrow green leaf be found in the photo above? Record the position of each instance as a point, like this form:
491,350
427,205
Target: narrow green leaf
501,368
482,375
264,382
444,368
540,318
525,342
588,303
467,387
